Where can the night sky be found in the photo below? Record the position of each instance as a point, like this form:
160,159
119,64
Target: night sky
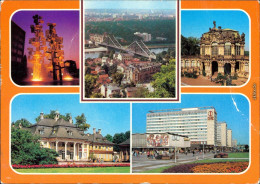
67,26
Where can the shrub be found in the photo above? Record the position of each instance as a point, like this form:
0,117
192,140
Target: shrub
186,168
204,73
191,74
26,149
234,77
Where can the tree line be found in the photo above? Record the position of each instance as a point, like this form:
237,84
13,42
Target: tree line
125,30
118,138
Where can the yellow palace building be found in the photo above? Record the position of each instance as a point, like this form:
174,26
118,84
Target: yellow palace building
71,143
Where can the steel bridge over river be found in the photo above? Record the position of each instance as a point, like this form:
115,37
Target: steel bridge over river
137,47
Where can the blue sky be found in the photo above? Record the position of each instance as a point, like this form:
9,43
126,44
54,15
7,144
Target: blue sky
129,4
110,117
234,109
196,22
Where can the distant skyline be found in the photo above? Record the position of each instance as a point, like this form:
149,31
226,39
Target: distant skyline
233,109
111,118
196,22
130,4
67,26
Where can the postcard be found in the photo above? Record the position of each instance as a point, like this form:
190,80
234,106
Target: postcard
130,91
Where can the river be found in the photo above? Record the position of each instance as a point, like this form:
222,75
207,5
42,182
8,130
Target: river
96,54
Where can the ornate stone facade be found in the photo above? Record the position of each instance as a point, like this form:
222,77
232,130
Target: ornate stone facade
221,51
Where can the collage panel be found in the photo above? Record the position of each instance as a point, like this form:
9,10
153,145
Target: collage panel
45,47
130,50
205,133
215,48
118,91
62,135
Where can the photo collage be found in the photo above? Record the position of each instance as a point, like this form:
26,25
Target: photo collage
143,88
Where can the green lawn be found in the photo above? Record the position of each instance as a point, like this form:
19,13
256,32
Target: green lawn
159,170
238,155
77,170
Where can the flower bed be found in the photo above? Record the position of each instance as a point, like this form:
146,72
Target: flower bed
226,167
69,166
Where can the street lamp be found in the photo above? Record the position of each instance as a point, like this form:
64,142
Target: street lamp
175,159
203,149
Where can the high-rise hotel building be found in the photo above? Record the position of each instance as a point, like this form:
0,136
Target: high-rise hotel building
222,134
199,124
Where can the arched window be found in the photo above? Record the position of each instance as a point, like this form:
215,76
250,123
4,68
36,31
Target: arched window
237,49
214,49
227,51
203,49
246,67
198,63
187,64
193,63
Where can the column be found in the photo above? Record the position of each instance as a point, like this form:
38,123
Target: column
221,68
82,151
66,150
74,151
232,69
57,142
78,152
127,155
87,151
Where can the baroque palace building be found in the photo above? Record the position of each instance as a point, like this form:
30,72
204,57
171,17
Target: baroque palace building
71,143
221,51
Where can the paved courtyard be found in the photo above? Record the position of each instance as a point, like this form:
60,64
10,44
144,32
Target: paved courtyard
205,81
141,163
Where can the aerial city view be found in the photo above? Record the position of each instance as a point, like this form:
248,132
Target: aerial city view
130,49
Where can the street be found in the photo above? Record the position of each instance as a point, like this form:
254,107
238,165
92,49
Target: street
141,163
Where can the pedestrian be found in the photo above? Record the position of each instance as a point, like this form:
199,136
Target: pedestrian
193,153
148,154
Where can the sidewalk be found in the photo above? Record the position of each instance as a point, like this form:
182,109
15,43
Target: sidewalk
141,163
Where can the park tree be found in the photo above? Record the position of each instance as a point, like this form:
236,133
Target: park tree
88,70
106,68
117,78
112,69
90,84
116,95
81,122
52,115
127,135
109,137
96,95
190,46
66,117
26,149
164,82
141,92
23,122
117,139
246,148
